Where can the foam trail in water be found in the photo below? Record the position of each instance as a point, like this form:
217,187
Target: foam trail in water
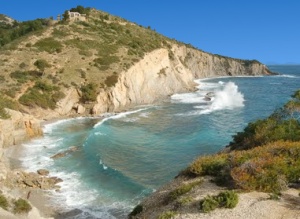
286,76
118,116
227,98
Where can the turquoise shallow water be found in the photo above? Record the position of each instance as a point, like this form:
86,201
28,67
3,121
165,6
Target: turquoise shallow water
124,157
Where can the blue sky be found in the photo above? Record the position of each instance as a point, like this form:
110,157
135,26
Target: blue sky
266,30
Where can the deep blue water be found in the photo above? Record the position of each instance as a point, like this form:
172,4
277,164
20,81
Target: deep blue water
124,157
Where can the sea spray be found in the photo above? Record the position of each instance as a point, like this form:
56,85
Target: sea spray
227,98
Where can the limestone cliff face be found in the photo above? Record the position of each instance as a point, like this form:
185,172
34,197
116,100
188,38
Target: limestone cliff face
164,72
18,128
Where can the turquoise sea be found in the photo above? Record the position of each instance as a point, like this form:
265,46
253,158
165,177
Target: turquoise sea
124,157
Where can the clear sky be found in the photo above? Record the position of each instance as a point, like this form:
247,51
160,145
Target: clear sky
266,30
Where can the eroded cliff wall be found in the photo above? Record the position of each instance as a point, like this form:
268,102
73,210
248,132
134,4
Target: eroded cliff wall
19,128
164,72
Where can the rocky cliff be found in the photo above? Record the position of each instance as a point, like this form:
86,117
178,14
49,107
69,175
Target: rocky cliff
19,128
163,72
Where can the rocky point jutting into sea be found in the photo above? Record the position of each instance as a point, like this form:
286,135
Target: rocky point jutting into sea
80,83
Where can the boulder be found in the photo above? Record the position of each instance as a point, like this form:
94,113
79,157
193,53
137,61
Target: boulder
43,172
80,109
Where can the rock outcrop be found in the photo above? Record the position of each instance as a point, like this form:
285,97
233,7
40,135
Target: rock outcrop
32,180
19,128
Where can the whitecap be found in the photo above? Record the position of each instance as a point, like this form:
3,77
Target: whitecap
118,116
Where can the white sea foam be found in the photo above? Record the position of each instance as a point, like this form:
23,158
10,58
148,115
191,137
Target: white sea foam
286,76
118,116
102,164
47,129
70,186
227,98
35,155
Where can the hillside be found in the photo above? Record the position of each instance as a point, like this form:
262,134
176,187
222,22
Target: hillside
54,69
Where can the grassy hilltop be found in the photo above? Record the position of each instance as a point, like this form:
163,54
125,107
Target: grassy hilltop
49,57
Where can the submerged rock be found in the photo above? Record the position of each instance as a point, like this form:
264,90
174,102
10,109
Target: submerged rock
209,96
66,152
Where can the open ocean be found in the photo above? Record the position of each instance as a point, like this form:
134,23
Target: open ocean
124,157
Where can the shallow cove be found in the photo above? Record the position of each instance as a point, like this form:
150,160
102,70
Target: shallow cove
124,157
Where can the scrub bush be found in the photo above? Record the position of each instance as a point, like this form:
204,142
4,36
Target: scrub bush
21,206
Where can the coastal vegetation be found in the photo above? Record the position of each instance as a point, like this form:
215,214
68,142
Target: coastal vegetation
3,202
18,206
43,95
167,215
226,199
21,206
264,157
10,31
181,190
5,102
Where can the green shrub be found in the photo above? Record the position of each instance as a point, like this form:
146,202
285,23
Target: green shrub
283,124
6,103
20,76
43,95
138,209
22,65
3,202
184,201
181,190
49,45
226,199
208,165
167,215
89,92
41,64
24,76
208,204
21,206
110,81
105,62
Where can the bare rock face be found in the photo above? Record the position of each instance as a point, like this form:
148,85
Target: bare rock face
79,108
65,106
159,75
19,128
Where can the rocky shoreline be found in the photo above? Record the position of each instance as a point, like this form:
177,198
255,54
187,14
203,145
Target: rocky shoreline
34,187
